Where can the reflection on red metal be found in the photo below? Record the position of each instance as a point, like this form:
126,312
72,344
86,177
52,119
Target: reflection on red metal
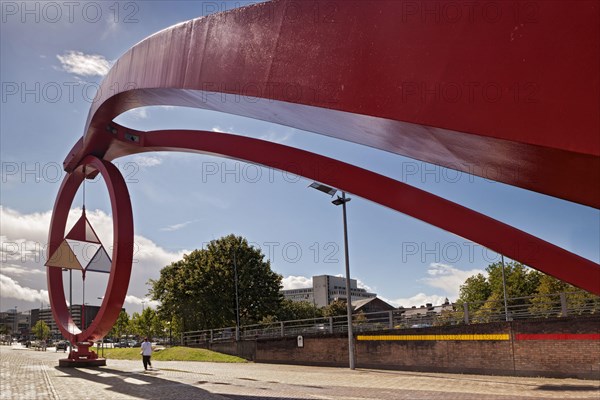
511,96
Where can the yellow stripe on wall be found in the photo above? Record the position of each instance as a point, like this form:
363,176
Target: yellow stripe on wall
494,336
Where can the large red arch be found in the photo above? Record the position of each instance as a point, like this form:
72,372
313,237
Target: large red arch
392,75
382,74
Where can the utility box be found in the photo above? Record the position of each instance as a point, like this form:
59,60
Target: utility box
300,341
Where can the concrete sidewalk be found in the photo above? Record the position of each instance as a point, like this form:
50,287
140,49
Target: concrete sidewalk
27,374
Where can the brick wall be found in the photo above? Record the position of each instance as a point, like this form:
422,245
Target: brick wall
554,358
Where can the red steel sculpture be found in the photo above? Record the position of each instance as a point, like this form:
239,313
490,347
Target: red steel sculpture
504,90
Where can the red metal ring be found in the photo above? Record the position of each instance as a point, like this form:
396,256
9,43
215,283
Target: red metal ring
122,253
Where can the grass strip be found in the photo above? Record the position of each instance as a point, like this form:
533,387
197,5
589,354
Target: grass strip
177,353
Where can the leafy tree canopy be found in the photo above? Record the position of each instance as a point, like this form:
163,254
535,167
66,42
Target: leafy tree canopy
41,330
485,293
199,290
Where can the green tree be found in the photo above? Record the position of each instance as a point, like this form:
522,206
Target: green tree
486,292
147,324
546,302
335,309
41,330
134,326
199,290
521,281
121,326
526,289
292,310
476,289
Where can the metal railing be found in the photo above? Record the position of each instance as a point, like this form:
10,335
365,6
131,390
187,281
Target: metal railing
540,306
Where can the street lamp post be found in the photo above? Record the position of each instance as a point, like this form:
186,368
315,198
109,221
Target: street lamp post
15,322
504,288
237,300
342,201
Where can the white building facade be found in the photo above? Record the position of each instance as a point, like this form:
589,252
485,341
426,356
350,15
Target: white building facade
326,289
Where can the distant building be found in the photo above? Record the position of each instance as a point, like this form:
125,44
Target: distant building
20,323
326,289
374,304
425,314
45,314
15,323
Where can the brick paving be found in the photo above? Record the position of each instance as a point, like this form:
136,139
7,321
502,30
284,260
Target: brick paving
28,374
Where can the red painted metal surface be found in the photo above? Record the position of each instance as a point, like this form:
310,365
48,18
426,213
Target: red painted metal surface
504,90
380,189
122,253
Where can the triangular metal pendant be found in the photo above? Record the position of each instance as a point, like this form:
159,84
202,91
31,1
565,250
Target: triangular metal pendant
64,257
81,249
83,231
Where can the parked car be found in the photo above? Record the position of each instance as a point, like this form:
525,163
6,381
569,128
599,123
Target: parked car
122,343
61,345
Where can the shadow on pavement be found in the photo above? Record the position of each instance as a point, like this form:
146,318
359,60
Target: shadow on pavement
147,386
574,388
135,384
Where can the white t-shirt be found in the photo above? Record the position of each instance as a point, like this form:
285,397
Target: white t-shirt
146,349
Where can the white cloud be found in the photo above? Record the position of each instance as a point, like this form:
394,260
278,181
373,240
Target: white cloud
147,161
417,300
12,290
448,278
111,29
276,137
138,113
145,302
440,276
13,269
270,136
33,227
176,227
78,63
296,282
153,256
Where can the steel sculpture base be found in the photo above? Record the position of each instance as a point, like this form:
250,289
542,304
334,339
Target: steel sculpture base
82,357
73,363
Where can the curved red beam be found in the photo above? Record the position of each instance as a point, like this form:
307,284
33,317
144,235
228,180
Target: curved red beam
504,90
122,253
427,207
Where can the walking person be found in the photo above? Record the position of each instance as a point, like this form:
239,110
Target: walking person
146,353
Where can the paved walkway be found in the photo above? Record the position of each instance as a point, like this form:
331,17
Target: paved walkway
28,374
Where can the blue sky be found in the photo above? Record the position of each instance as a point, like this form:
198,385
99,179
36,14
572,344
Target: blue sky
49,69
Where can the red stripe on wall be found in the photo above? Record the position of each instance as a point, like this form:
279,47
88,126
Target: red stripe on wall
558,336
